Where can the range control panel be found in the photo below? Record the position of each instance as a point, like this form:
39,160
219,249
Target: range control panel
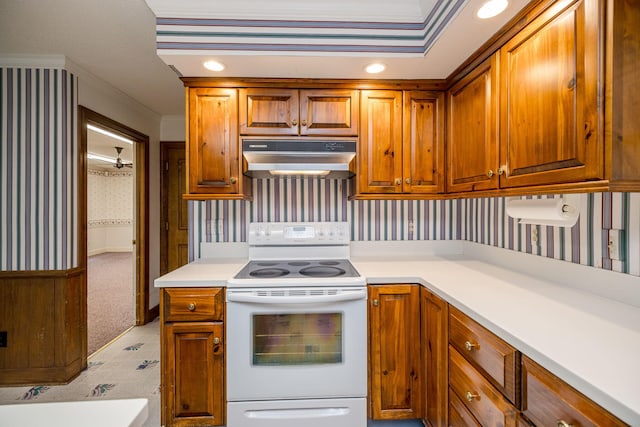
298,233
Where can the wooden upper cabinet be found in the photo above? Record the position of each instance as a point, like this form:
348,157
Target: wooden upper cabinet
549,123
423,144
395,379
269,111
214,163
322,112
332,112
401,147
472,130
380,146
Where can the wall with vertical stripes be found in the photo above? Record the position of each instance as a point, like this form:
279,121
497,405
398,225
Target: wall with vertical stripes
38,169
481,220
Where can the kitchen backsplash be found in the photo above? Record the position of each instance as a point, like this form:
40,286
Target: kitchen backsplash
38,160
481,220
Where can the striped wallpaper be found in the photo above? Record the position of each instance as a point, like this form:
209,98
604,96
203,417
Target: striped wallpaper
480,220
38,169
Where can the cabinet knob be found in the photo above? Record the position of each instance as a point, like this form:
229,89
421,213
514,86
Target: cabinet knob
216,340
304,122
470,396
398,181
408,180
192,307
502,169
294,122
376,302
233,179
490,173
563,423
470,346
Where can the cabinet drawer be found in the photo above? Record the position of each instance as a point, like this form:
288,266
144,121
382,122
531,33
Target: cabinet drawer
495,358
459,415
488,406
193,304
547,401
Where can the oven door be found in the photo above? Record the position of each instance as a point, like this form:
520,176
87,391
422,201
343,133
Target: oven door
296,343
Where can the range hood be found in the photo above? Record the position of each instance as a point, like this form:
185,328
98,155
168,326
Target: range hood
298,157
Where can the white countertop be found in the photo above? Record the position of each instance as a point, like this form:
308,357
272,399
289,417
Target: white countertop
547,309
94,413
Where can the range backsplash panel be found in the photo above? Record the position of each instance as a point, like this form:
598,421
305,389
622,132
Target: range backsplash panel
481,220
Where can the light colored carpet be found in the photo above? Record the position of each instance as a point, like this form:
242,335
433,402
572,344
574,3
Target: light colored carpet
110,297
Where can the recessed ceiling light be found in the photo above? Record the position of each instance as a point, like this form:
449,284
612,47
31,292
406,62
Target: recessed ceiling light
492,8
375,68
213,66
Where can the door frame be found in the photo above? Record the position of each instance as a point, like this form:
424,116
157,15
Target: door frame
87,116
165,146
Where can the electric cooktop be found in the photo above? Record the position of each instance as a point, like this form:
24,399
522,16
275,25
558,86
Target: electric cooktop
273,269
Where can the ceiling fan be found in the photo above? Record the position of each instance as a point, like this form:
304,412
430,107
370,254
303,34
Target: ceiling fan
119,162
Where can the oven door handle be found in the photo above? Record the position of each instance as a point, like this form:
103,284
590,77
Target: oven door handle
314,299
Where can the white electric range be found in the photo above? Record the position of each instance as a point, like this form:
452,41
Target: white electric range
297,330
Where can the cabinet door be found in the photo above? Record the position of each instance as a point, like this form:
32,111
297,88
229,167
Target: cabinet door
473,139
423,142
212,146
380,145
550,130
268,111
331,112
395,369
435,315
194,374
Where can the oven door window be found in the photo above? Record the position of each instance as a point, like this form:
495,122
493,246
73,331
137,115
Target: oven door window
297,339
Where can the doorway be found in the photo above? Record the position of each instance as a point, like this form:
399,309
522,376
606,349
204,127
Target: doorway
136,153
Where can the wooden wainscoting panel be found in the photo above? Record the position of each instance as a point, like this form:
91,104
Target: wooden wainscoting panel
44,315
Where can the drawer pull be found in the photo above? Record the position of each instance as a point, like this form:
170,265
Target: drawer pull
216,340
470,396
192,307
563,423
470,346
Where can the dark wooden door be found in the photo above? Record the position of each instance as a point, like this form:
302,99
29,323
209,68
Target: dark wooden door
175,245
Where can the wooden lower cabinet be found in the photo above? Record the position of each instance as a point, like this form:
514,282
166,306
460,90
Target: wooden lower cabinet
193,381
549,401
435,332
395,378
487,405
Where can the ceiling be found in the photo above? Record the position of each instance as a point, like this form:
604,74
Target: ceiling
116,40
103,145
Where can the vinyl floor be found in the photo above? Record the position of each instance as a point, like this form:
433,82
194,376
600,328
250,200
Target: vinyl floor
128,367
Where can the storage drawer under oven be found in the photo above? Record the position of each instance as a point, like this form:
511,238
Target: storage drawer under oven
193,304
